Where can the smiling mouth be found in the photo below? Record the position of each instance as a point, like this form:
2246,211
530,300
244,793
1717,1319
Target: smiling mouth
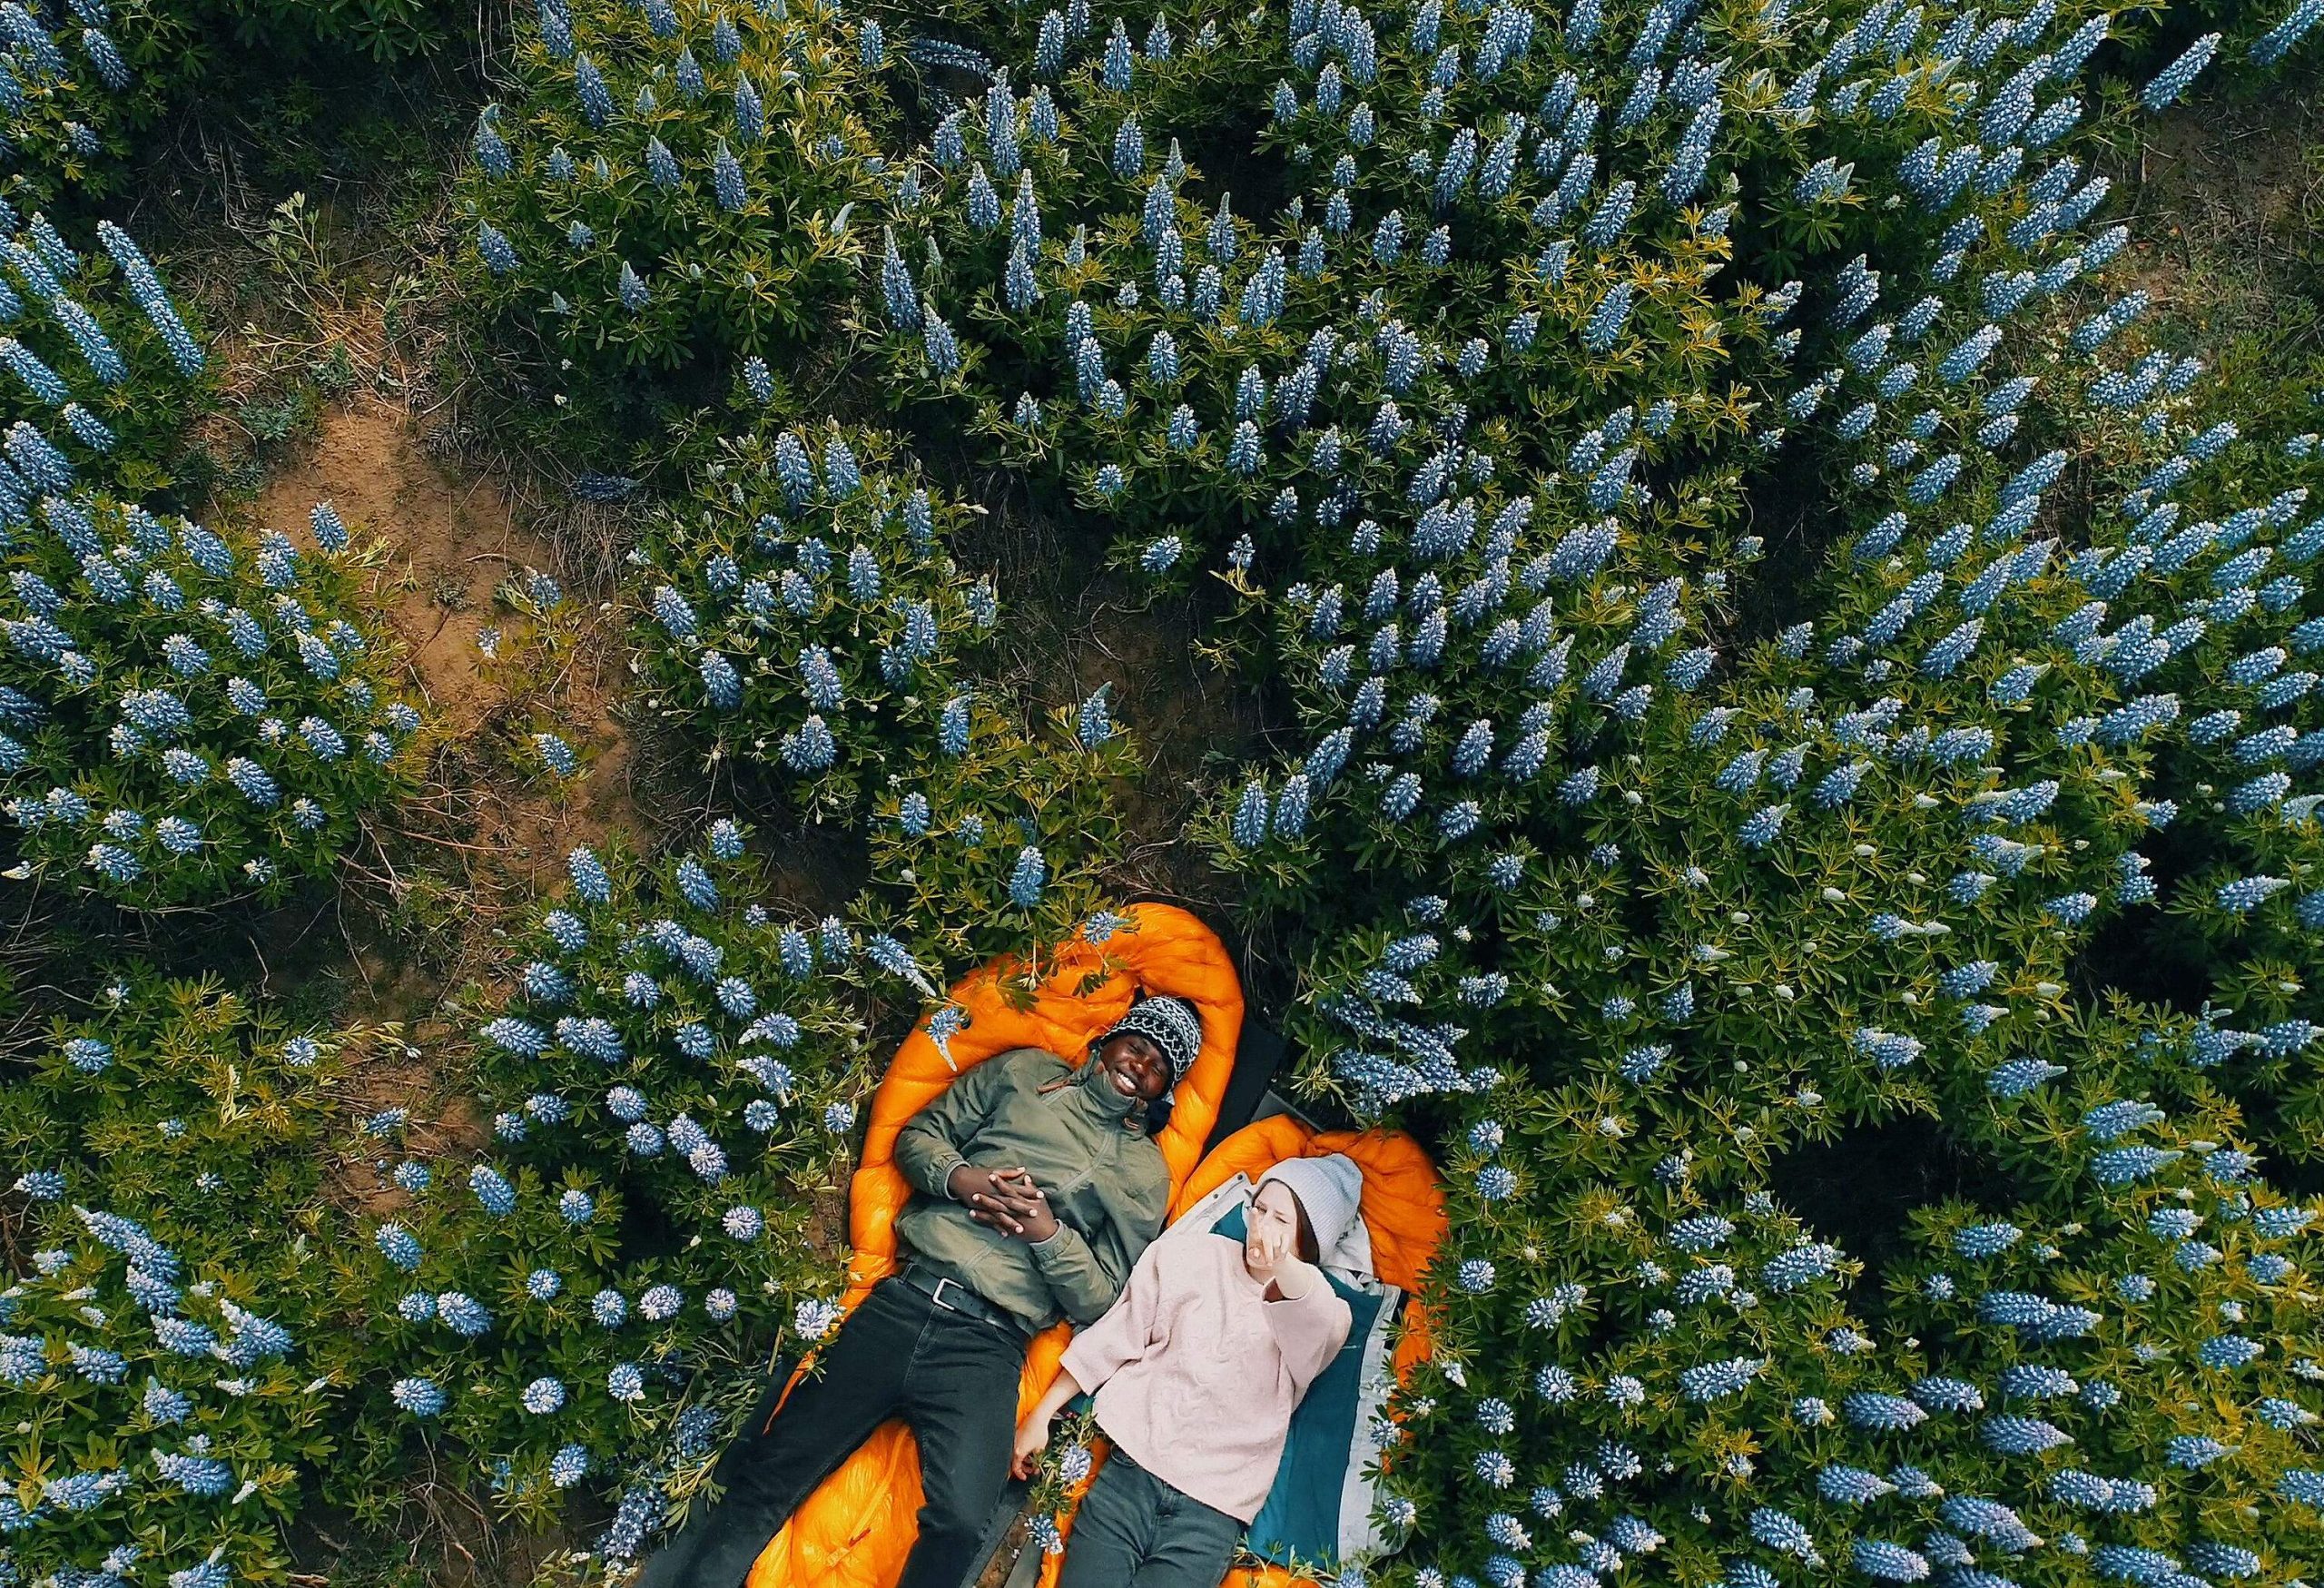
1124,1083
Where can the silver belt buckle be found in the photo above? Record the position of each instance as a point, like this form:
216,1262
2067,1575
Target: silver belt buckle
937,1294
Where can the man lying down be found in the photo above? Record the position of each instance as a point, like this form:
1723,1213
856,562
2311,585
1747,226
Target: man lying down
1036,1186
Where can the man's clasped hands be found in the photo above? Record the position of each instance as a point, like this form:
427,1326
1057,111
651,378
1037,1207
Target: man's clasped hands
1005,1200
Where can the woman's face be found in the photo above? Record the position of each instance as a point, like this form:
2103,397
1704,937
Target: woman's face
1273,1219
1133,1066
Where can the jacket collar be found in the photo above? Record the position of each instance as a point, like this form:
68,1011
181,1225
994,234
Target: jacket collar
1102,1100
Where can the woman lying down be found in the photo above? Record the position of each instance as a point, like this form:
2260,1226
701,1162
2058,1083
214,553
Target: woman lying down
1194,1372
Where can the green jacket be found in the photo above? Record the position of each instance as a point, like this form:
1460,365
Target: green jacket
1105,1178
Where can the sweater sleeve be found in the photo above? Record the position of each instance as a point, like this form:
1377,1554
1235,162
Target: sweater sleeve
934,1141
1309,1331
1130,1328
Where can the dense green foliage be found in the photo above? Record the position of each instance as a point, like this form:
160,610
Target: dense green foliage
183,716
165,1347
1470,351
1631,926
99,360
804,614
164,743
672,1072
670,1078
85,83
671,190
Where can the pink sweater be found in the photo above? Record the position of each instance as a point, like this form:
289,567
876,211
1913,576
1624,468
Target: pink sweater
1196,1375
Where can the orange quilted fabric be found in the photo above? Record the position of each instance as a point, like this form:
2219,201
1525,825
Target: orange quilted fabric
856,1530
1404,1212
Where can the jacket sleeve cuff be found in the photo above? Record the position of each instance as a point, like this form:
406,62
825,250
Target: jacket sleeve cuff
938,1171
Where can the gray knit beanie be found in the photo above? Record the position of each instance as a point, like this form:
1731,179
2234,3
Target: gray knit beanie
1330,1190
1170,1023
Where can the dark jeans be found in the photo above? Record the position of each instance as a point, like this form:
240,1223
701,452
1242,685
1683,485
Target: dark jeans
1134,1531
950,1377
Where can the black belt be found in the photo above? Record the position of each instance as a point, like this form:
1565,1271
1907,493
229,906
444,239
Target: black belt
954,1297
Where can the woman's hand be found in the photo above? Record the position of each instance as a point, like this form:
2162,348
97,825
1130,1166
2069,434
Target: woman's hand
1295,1278
1269,1249
1032,1438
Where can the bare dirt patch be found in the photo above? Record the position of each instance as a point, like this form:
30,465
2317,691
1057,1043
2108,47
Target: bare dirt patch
488,830
424,907
448,541
2225,201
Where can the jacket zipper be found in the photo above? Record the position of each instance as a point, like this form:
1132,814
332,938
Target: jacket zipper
1089,1169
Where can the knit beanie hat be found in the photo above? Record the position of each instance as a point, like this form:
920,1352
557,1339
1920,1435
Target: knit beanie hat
1330,1188
1170,1023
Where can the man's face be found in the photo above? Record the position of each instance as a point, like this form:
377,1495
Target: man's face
1133,1066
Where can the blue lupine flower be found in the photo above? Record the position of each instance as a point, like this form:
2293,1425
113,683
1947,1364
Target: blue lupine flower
632,290
463,1313
588,874
1129,159
2121,1165
721,684
589,86
1799,1266
399,1246
2172,80
2278,42
2224,1352
2244,895
2302,1487
43,383
1886,1050
1608,318
696,885
1093,723
493,247
554,752
1027,876
1291,807
1762,828
417,1396
1713,1381
810,747
493,1192
1882,1413
114,863
727,183
1889,1562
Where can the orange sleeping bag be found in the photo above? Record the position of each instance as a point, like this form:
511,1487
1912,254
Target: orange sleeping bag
1403,1213
857,1529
